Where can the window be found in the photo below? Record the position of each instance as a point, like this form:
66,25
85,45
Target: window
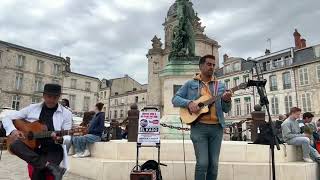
238,107
121,113
19,78
105,94
40,66
56,69
227,83
134,89
110,114
72,101
15,102
116,93
116,102
237,67
303,76
306,102
317,51
273,83
86,103
227,69
115,114
286,79
35,99
73,83
246,78
20,61
318,73
136,99
176,88
288,103
248,105
274,105
236,81
87,86
38,84
122,101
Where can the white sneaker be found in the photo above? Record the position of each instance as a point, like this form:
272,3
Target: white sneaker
86,153
308,160
77,155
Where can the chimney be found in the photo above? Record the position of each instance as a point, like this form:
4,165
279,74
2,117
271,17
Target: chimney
225,57
68,69
303,43
267,52
297,40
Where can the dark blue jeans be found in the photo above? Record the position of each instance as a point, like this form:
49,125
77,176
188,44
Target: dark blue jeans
207,143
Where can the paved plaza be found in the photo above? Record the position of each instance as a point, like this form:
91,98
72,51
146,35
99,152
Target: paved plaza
12,168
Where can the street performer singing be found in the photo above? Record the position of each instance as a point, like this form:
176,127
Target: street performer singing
49,154
207,130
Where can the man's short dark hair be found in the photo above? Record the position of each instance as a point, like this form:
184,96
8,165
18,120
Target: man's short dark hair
99,106
203,58
67,102
307,115
294,110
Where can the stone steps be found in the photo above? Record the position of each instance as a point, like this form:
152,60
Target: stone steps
101,169
172,150
238,161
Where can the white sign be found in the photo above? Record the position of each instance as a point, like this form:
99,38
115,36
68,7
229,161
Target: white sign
149,128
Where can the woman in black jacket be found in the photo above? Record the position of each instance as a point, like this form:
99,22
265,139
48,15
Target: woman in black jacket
94,133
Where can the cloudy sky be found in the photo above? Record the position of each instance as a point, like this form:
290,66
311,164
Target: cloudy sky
105,37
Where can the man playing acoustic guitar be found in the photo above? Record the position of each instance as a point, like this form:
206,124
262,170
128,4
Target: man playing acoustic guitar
207,130
49,154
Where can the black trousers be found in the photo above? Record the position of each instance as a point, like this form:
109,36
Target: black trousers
37,158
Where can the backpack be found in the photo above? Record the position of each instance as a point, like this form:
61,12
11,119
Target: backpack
265,135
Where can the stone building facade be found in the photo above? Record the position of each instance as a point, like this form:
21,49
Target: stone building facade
119,94
24,72
81,90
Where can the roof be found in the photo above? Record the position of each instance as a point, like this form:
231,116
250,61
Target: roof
84,75
31,51
303,56
245,66
130,93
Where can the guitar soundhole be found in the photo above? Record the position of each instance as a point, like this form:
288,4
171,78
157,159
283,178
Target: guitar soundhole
200,105
30,136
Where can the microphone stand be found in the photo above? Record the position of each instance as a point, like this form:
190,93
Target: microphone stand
260,85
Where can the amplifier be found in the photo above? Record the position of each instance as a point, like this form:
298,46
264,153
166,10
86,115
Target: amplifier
143,175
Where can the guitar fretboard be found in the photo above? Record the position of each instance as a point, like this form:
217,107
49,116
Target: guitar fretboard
47,134
236,88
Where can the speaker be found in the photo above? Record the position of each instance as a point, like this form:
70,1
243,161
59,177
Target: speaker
143,175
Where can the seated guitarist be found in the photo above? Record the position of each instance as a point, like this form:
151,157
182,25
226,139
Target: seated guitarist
48,155
207,131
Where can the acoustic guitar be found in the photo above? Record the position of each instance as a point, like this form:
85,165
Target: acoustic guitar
33,131
204,102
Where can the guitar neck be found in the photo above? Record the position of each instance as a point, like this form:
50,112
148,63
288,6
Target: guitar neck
47,134
213,99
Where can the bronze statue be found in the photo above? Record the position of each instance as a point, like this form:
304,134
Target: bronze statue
183,43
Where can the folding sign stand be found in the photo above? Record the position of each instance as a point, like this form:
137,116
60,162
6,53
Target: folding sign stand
149,135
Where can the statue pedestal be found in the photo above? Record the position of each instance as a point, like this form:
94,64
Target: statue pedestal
178,71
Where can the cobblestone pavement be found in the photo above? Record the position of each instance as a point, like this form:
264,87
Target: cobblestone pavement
12,168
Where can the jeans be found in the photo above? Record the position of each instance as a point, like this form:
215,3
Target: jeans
80,142
206,141
304,142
